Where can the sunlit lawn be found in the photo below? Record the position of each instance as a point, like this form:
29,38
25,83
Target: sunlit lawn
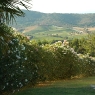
63,87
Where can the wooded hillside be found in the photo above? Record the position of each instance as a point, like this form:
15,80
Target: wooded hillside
58,19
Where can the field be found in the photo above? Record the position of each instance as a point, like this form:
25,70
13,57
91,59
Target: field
82,86
47,32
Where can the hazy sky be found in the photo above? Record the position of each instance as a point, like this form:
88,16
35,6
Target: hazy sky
64,6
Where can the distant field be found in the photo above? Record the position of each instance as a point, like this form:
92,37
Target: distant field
47,32
91,29
29,29
82,86
82,29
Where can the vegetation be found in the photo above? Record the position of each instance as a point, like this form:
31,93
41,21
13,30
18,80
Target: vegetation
15,69
46,32
57,19
84,45
9,9
12,51
24,61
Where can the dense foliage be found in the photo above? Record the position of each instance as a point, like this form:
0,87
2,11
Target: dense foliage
84,45
61,61
14,61
23,61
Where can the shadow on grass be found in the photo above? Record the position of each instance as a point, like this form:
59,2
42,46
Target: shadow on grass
62,87
58,91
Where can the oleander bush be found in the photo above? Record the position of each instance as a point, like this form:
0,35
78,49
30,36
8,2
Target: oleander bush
87,67
23,61
58,62
14,61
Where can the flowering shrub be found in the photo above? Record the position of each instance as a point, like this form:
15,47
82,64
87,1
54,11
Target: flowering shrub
14,60
23,61
87,66
58,62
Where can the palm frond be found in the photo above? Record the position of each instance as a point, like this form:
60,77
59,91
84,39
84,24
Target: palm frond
9,9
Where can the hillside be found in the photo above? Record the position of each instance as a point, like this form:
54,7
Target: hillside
57,19
51,32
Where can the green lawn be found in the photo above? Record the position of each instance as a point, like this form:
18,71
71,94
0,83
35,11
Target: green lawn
63,87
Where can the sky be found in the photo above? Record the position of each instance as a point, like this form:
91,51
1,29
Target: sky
64,6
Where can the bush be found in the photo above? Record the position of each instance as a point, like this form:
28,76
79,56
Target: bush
23,61
88,66
58,62
14,67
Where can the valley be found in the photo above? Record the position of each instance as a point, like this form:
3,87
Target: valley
55,26
47,32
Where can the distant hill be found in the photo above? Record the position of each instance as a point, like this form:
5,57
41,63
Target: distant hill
58,19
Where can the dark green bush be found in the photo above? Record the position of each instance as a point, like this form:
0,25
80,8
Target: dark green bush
14,61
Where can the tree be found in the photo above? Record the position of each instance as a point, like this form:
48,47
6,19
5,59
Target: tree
9,9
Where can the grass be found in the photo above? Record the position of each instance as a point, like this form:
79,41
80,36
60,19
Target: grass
63,87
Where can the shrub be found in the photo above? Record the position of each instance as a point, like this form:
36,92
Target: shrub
58,62
14,67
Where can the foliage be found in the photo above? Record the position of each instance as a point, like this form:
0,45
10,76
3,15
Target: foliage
15,69
9,9
61,61
23,61
84,45
87,66
77,45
